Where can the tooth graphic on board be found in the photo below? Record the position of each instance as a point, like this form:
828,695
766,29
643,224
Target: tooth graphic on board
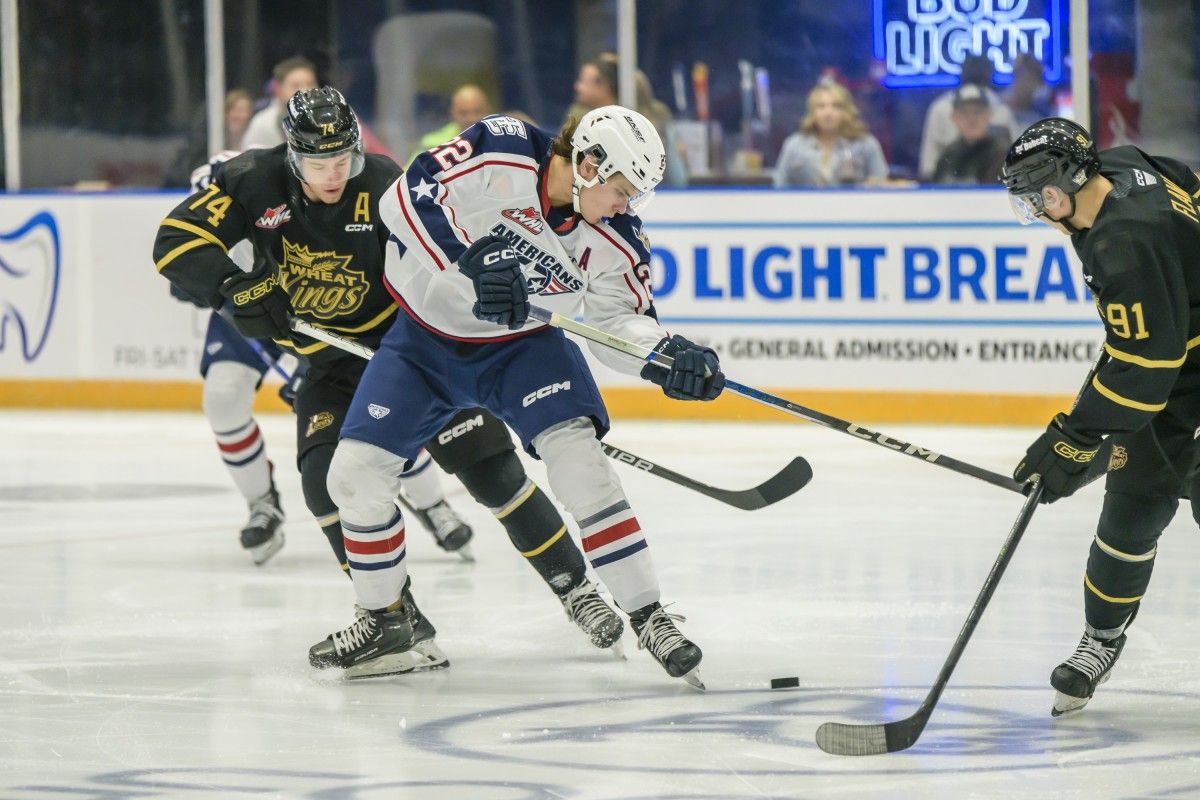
30,271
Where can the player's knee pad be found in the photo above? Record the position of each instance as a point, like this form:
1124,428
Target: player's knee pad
229,389
314,473
495,480
1131,524
363,482
579,473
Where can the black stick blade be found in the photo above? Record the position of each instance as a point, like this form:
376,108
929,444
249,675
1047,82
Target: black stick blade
789,480
839,739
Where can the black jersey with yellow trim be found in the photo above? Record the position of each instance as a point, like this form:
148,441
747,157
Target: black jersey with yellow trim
1141,259
328,257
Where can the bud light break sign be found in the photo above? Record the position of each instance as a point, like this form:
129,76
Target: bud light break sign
924,42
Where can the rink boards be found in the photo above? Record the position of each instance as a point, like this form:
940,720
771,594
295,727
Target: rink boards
886,305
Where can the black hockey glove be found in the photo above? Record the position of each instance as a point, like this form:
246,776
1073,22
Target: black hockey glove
179,293
258,306
1061,456
695,375
500,291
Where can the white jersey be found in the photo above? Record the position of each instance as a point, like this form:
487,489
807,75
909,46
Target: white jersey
491,180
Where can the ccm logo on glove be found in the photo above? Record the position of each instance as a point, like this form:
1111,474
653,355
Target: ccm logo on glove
496,256
1074,453
255,292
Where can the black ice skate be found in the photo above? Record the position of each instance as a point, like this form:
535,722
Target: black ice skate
263,534
587,609
382,643
448,528
656,632
1089,666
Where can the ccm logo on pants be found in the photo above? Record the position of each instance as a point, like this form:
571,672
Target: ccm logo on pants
445,437
545,391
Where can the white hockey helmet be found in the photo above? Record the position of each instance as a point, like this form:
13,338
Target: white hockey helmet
619,140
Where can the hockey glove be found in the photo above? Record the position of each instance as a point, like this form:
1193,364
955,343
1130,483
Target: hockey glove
500,291
695,375
1061,456
179,293
257,305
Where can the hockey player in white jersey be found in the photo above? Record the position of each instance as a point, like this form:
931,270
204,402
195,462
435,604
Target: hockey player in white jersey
500,213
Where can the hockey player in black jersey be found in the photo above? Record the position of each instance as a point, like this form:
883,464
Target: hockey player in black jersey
1135,225
311,209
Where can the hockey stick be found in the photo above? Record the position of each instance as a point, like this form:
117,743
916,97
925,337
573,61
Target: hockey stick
857,431
789,480
841,739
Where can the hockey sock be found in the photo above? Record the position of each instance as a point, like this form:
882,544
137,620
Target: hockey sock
1121,559
582,479
314,472
422,483
229,390
363,485
529,517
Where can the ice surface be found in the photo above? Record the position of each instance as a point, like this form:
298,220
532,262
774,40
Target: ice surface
143,655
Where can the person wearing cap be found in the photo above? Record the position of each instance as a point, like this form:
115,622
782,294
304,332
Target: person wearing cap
978,153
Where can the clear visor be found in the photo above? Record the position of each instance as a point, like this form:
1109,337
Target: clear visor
637,201
328,169
1026,207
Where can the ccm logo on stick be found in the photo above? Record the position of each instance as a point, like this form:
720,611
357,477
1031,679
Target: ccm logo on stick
445,437
883,439
545,391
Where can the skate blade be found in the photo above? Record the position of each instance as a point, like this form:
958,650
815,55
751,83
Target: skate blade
1065,704
693,679
263,553
465,554
618,651
423,657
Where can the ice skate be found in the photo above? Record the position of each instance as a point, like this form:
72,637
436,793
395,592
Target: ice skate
263,534
381,643
1075,680
587,609
656,632
449,530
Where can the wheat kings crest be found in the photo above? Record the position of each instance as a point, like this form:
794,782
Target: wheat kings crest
321,283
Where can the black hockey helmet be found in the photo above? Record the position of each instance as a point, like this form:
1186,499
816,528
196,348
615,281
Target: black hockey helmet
319,123
1051,152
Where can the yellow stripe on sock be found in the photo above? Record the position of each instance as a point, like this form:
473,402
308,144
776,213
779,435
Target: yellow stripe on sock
1092,587
1115,553
328,519
542,548
511,507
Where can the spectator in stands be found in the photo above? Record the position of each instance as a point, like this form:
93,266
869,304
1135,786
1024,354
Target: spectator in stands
833,147
468,105
296,74
977,155
239,108
940,129
597,85
1029,98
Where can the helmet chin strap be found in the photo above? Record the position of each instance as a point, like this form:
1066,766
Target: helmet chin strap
578,183
1065,221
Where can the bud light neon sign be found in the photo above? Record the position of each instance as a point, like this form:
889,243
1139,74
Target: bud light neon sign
924,42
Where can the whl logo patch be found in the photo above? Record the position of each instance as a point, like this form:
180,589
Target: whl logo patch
378,412
274,217
527,218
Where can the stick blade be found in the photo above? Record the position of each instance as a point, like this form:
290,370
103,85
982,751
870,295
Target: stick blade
789,480
839,739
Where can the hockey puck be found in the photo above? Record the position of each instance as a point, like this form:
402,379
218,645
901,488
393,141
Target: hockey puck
785,683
